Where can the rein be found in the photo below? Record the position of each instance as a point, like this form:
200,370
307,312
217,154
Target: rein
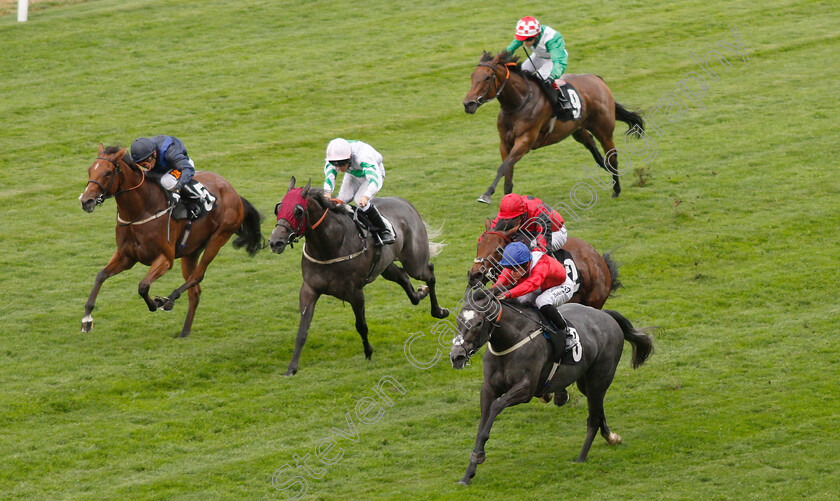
483,98
117,171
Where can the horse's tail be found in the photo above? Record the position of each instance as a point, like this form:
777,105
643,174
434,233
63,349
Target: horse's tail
631,118
435,248
615,283
641,340
248,235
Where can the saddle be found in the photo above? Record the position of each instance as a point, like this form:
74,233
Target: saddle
566,102
363,223
567,358
196,201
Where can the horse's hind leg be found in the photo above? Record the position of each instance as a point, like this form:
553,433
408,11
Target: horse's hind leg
604,135
118,263
426,273
585,138
358,304
188,264
396,274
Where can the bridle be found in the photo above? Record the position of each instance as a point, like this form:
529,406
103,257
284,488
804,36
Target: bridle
459,339
295,234
483,98
100,199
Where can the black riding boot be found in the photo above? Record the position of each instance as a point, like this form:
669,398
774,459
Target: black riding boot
561,338
563,99
191,202
379,226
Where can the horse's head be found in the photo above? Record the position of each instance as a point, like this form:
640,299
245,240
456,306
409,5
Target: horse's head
489,249
103,177
478,318
291,217
488,80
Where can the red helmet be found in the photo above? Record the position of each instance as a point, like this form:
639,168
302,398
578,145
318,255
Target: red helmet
511,206
526,28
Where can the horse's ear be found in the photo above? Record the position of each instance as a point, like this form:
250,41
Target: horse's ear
101,149
487,224
121,153
292,183
511,231
305,190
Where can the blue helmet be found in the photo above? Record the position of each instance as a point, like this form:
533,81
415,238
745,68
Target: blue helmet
141,149
515,254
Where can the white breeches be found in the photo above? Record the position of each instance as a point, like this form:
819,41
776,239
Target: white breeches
554,296
558,238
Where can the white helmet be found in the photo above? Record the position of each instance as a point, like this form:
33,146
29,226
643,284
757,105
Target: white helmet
526,28
338,149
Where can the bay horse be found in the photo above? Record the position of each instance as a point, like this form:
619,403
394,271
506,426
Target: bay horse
525,122
518,364
598,273
338,261
147,234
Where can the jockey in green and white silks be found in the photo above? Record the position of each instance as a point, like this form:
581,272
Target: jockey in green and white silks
549,56
364,174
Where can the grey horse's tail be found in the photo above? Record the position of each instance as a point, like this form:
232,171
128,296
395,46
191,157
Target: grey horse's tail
615,283
435,248
641,341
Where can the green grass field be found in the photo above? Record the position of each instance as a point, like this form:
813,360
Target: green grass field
727,238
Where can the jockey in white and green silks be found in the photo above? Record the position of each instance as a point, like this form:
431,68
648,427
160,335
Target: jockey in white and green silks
364,174
549,57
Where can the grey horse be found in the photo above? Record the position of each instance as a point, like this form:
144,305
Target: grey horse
518,362
338,261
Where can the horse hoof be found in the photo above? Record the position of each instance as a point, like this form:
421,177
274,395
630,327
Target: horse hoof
290,373
614,439
368,352
158,303
87,326
545,398
615,195
465,483
441,313
483,199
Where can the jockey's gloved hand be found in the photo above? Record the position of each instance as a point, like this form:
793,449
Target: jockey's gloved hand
176,196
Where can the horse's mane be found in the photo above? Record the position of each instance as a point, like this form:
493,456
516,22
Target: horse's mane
110,150
317,195
505,57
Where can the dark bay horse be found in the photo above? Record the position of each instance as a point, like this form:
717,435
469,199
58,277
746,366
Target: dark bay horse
146,234
518,364
525,122
598,273
338,262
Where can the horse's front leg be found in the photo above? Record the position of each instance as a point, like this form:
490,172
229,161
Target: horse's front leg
521,146
491,406
159,266
214,244
308,298
117,264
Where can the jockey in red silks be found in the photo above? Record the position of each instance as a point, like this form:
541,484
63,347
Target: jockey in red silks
538,221
537,279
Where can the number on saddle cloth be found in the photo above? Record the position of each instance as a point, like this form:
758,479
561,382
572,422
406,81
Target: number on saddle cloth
199,198
565,257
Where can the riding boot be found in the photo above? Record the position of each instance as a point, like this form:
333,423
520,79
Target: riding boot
191,202
561,338
379,226
563,99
